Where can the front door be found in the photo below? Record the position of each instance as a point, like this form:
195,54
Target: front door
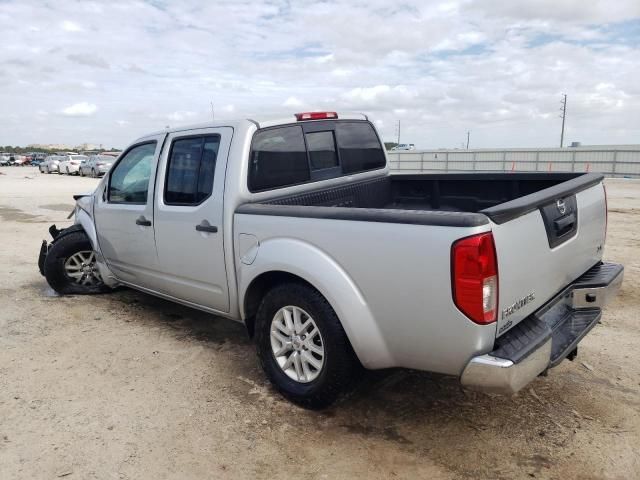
188,217
124,215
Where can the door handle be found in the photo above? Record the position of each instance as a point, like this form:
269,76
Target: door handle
206,228
143,221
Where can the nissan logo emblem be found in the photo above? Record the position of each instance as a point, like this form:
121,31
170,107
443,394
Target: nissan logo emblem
562,208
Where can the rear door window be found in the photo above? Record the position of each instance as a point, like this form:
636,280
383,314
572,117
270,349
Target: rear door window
278,159
192,163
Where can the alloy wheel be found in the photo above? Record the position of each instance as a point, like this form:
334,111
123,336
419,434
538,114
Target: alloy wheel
82,269
297,344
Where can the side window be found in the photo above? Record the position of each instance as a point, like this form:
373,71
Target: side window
360,149
278,158
322,150
129,181
190,170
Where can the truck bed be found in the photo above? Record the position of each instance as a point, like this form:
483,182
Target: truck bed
436,199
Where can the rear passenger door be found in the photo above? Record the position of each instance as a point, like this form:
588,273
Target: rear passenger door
188,217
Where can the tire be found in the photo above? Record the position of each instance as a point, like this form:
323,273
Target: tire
339,364
63,248
67,169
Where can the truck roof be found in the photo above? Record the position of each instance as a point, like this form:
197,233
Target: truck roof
259,122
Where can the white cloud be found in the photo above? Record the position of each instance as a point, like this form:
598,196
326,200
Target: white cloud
293,102
325,58
341,72
69,26
492,66
82,109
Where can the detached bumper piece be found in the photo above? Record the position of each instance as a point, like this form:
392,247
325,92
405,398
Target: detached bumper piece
44,248
545,338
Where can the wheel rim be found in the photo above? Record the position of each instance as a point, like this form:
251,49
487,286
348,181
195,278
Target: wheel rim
297,344
81,268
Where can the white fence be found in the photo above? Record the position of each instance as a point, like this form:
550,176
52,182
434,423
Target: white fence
613,162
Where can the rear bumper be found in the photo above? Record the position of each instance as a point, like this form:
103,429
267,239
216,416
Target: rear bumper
545,338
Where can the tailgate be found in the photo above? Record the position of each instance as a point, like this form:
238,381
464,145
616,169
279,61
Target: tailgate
555,239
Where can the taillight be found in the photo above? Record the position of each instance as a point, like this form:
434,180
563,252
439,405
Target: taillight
475,277
73,163
315,116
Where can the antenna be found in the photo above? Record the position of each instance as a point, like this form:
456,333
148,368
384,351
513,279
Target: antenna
468,135
213,113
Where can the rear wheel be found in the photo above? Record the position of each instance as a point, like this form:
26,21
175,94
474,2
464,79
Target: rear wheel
70,266
302,346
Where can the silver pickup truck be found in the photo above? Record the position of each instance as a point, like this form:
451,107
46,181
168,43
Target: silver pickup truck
296,228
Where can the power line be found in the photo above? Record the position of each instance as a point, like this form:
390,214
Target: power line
563,116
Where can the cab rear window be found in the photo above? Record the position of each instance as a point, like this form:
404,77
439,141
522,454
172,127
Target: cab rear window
296,154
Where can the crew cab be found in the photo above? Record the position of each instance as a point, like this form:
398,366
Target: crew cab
296,228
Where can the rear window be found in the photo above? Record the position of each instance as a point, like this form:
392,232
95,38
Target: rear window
295,154
278,158
322,150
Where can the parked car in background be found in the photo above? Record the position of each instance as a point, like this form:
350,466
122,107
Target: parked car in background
38,158
4,159
21,160
50,164
70,164
403,147
97,165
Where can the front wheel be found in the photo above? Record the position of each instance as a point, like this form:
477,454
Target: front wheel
70,266
302,346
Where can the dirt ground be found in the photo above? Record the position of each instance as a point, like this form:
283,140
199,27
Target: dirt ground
127,386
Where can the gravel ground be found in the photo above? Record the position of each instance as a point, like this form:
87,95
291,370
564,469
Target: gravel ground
125,385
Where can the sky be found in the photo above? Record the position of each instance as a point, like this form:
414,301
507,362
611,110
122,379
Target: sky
108,72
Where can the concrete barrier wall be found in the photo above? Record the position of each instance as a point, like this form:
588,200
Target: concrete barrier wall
611,162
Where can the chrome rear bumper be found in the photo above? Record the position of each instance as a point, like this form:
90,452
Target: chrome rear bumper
547,337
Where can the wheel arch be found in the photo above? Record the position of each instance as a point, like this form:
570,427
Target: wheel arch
281,260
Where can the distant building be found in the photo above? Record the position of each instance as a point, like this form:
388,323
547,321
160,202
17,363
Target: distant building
50,146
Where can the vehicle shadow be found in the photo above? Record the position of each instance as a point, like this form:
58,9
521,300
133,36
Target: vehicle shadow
184,322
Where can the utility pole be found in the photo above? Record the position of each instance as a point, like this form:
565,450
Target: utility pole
563,116
468,135
213,114
398,132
